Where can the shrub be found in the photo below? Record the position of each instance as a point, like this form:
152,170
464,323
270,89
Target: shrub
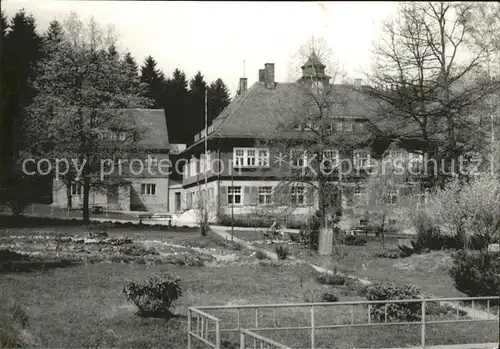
331,279
260,255
389,254
476,274
294,237
328,298
138,251
13,320
395,311
11,256
282,251
154,296
351,240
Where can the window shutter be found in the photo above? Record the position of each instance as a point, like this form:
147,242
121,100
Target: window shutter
279,197
246,196
254,196
310,196
223,196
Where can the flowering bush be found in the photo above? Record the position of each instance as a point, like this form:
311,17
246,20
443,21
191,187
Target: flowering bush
395,311
154,297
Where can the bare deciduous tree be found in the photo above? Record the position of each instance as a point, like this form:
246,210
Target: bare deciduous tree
428,79
311,143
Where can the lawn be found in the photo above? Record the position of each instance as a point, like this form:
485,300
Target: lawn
428,271
82,305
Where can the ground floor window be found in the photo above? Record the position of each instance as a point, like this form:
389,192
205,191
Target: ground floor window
76,189
297,195
392,196
265,195
148,189
234,195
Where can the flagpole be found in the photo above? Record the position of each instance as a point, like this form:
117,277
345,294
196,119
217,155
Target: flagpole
206,156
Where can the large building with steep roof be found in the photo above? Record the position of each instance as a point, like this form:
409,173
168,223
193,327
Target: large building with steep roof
141,182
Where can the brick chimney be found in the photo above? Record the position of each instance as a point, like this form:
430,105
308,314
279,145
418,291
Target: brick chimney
262,75
269,75
243,86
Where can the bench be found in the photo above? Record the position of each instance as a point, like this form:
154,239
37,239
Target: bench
156,216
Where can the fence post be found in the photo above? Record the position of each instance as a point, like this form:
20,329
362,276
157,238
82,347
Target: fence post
189,328
242,340
217,335
313,344
423,325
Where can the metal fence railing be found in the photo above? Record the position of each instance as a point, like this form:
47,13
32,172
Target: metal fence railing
199,327
258,341
248,319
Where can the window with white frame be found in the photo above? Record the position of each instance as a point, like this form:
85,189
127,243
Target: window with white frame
415,161
76,189
297,195
361,158
338,125
151,161
361,126
263,160
122,136
392,196
265,195
297,127
148,189
208,162
202,163
308,126
299,157
239,157
358,191
192,166
251,157
348,126
234,195
331,157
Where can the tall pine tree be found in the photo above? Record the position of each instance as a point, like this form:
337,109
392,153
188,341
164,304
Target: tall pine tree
131,71
218,99
155,81
197,87
176,108
21,52
4,146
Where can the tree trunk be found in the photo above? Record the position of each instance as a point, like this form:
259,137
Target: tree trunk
325,243
382,233
68,194
86,194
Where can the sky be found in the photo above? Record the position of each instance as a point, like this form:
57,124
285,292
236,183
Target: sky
227,39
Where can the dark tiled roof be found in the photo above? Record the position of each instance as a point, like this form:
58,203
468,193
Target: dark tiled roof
151,123
154,123
260,110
